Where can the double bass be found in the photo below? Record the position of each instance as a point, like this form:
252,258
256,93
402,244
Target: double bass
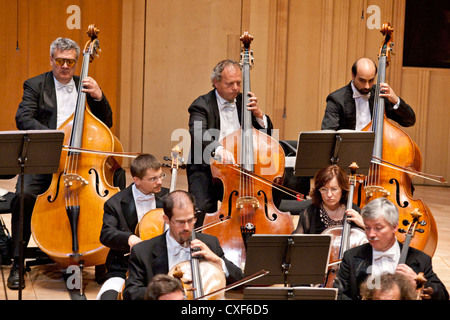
67,218
392,145
247,204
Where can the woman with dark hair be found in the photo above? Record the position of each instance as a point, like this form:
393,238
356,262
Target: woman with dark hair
328,203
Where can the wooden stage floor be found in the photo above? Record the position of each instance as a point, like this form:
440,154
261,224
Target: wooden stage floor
45,282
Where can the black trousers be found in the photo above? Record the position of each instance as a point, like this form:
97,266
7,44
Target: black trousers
205,192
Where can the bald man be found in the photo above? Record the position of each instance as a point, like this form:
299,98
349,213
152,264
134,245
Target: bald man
351,107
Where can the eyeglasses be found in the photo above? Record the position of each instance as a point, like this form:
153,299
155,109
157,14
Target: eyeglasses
161,176
60,62
181,223
325,190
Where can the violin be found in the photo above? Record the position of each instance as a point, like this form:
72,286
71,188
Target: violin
343,237
247,206
152,223
392,145
67,218
199,277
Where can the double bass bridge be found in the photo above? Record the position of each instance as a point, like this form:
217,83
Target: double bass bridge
370,190
241,202
70,178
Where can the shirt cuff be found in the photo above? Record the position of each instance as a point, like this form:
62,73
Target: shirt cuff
395,107
224,268
262,122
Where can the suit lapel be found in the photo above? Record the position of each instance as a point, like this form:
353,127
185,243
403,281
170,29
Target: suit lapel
160,257
129,209
362,262
49,99
350,105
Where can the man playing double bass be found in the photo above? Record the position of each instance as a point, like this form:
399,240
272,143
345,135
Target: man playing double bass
48,100
351,107
217,113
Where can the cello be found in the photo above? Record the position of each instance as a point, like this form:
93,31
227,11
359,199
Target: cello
67,218
395,146
343,237
199,277
247,206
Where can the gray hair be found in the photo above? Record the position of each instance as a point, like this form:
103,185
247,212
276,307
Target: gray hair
218,69
381,207
64,44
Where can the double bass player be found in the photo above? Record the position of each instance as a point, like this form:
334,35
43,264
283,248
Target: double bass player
219,113
48,100
351,106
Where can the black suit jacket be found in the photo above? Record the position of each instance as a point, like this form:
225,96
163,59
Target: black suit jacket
119,222
356,261
340,112
38,109
149,258
205,113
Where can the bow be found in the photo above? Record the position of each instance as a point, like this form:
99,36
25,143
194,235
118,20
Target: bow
357,95
228,106
69,87
178,249
378,255
145,198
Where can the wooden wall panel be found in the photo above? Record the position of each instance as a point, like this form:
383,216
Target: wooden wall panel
184,41
39,22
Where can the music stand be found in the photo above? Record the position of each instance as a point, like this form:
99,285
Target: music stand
319,149
300,258
29,152
295,293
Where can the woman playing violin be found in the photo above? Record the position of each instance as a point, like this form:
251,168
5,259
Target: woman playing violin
328,203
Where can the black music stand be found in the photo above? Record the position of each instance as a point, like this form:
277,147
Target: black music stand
319,149
29,152
290,259
295,293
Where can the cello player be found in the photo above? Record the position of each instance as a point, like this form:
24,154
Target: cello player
48,100
219,113
158,255
381,255
122,212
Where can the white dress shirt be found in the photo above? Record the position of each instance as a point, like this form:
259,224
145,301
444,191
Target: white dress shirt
176,252
385,261
229,120
66,100
144,203
363,116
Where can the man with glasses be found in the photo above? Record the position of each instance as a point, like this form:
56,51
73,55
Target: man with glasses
122,212
160,254
48,101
